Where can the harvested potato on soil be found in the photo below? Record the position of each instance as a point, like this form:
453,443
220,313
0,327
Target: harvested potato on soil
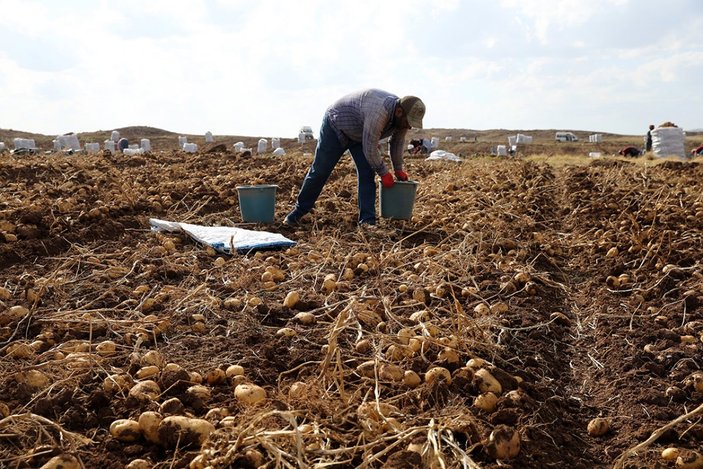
598,426
184,431
249,394
503,260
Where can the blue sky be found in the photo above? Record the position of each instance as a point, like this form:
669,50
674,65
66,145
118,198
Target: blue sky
264,68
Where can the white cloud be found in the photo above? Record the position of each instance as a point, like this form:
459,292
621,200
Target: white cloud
267,67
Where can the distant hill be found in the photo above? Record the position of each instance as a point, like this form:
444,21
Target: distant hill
475,141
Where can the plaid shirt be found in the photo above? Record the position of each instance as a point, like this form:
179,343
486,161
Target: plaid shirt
367,116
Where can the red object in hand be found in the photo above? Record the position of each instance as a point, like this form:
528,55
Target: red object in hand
387,180
401,175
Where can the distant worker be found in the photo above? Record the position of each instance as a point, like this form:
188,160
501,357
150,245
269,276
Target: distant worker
648,139
122,144
697,151
357,122
630,151
419,146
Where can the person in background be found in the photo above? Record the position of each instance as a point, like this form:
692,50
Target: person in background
648,139
357,122
630,151
419,146
122,144
697,151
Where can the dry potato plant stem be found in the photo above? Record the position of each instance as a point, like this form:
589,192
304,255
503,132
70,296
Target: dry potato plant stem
72,438
619,463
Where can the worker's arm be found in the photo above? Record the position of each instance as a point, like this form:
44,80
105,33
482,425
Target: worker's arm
373,129
397,146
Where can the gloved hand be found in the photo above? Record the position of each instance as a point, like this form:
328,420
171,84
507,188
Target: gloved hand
401,175
387,180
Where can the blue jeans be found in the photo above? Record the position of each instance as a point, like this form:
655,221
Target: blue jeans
327,154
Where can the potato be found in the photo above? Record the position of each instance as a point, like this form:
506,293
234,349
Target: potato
117,383
125,430
482,309
367,369
172,406
521,277
146,390
13,314
695,380
499,308
504,442
249,394
153,357
234,370
476,363
292,299
329,284
670,454
218,413
139,464
106,348
4,410
390,372
198,391
415,344
448,355
232,303
35,379
375,411
398,352
198,462
404,335
689,459
184,431
298,390
486,382
62,461
145,372
487,402
363,346
598,426
216,376
438,374
20,351
286,332
420,316
149,424
305,318
411,379
239,379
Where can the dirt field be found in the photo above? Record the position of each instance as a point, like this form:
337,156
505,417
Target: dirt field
554,294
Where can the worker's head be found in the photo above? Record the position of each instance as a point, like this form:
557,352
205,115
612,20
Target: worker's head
651,126
411,111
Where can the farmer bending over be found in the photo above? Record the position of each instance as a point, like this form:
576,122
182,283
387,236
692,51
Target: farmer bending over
630,151
356,122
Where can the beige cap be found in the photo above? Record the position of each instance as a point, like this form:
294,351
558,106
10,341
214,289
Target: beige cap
414,109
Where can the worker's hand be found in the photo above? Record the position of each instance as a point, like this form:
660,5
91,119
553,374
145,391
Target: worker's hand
387,180
401,175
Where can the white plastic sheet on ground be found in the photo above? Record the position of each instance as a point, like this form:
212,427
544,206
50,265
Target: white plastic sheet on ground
442,155
225,239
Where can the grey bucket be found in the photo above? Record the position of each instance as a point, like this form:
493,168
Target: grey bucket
398,201
257,203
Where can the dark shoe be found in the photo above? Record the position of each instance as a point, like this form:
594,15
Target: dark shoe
292,219
368,225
